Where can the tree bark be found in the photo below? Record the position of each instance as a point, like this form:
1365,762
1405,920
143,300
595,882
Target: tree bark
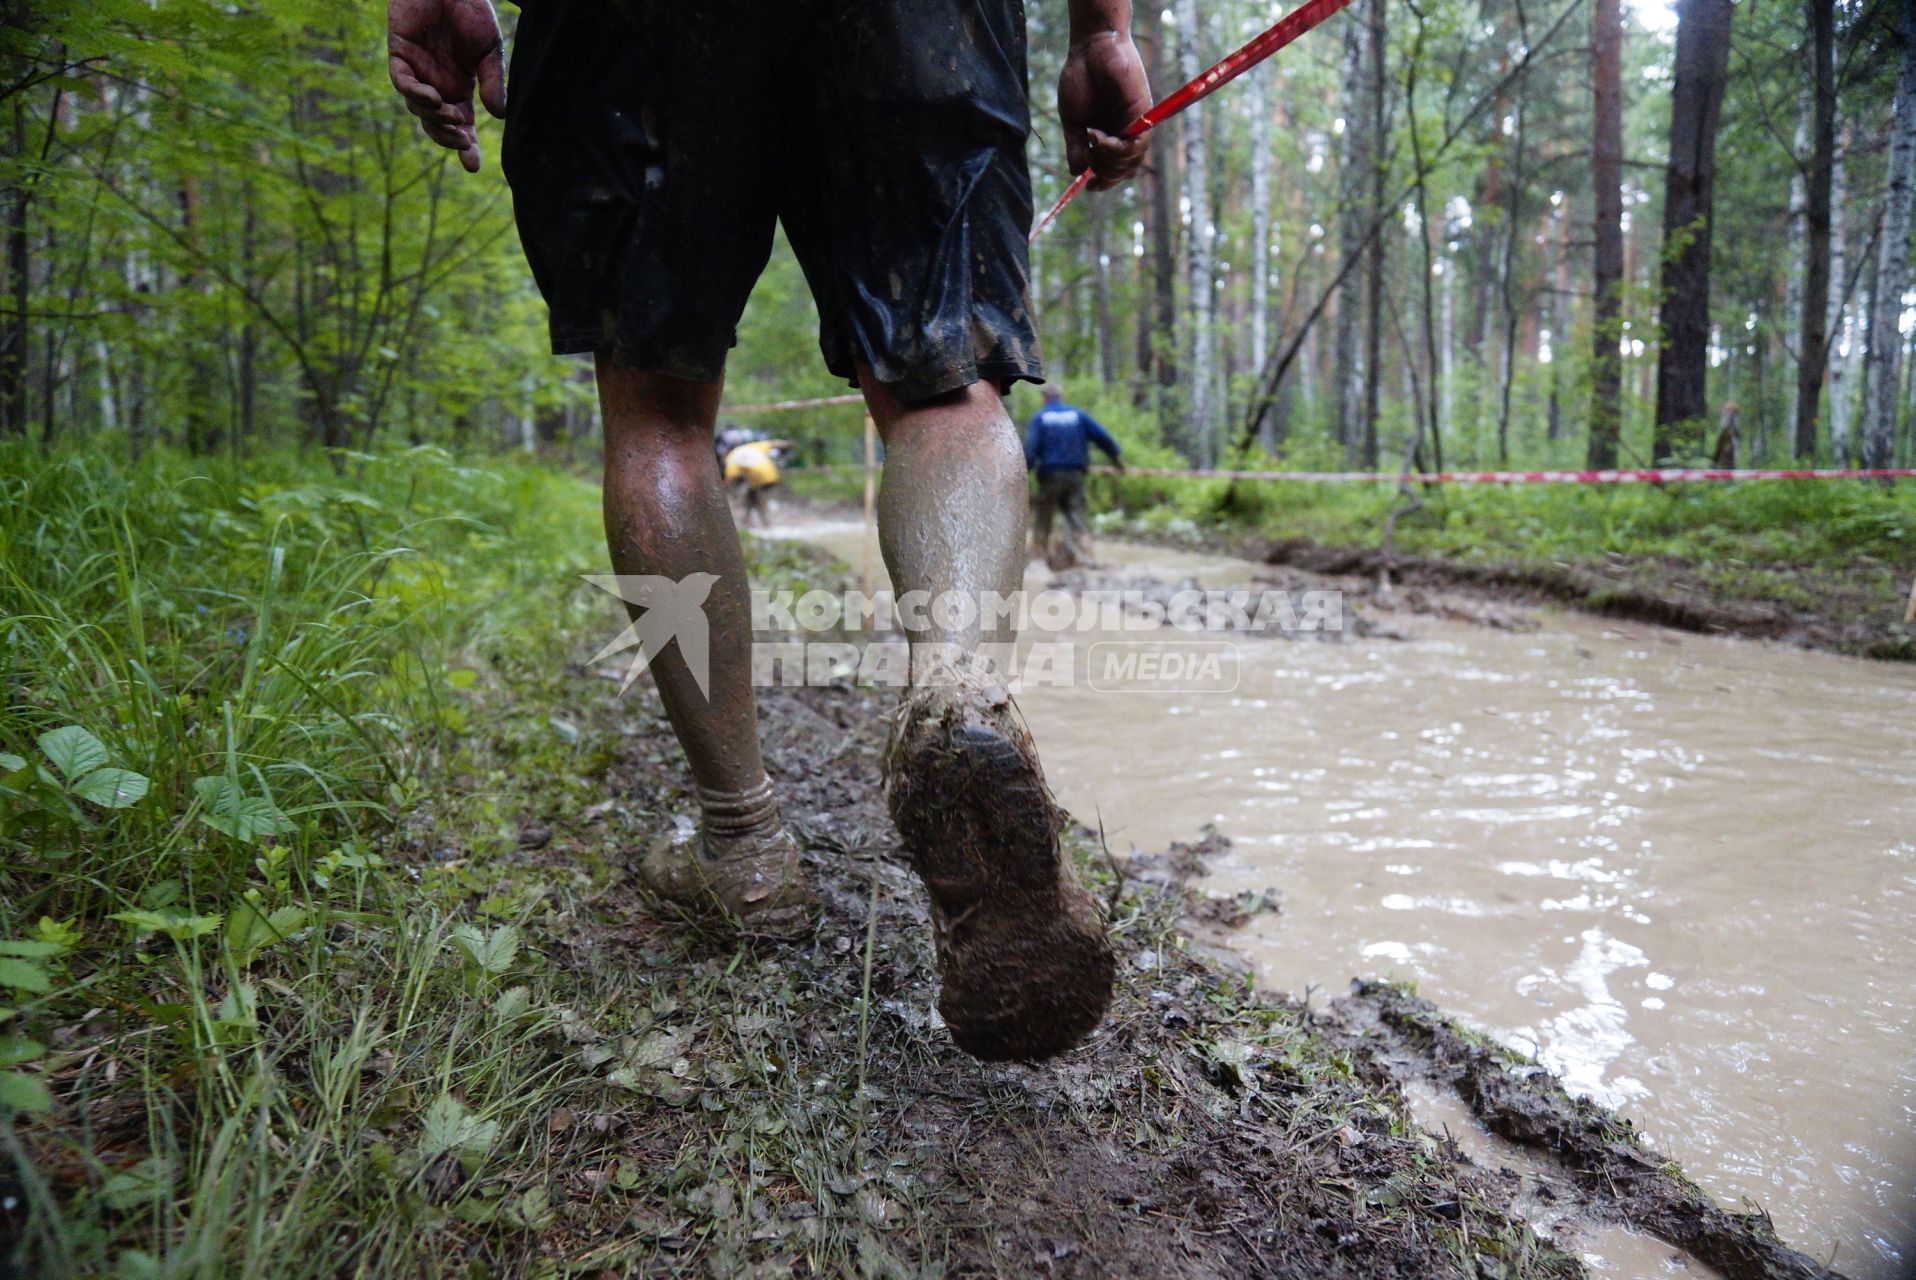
1161,340
1841,319
1101,294
1258,96
1376,33
1696,101
1557,249
1201,403
1353,170
1606,365
1883,359
1813,348
13,341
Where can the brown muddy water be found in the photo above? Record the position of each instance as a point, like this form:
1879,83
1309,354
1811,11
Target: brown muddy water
1680,870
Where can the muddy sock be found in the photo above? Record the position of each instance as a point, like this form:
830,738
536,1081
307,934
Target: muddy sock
735,815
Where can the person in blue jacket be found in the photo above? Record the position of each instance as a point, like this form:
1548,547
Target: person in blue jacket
1058,447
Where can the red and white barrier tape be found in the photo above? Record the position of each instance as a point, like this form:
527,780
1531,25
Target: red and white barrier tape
1667,475
779,406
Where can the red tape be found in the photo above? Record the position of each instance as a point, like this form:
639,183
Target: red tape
1667,475
779,406
1230,67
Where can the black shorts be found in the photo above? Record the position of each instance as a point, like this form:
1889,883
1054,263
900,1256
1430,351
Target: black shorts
652,144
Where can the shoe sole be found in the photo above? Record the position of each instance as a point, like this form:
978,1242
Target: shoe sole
1026,970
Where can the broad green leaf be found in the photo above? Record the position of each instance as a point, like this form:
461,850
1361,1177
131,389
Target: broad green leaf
22,1092
11,763
230,810
250,930
238,1018
15,1050
21,947
176,925
24,975
450,1127
492,952
73,751
147,1182
112,788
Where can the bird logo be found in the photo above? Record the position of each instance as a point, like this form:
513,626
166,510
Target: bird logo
666,609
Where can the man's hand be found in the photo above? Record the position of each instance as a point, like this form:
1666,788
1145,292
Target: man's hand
1101,90
436,50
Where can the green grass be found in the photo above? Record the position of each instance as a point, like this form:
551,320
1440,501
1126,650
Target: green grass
1828,524
237,1039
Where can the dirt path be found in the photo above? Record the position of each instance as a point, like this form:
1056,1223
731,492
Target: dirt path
737,1114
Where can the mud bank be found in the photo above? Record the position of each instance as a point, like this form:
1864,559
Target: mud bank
1833,613
798,1109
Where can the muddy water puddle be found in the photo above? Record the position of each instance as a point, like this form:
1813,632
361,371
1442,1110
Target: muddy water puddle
1681,870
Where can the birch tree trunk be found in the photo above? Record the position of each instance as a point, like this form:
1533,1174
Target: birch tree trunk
1201,401
1883,360
1257,94
1353,168
1842,343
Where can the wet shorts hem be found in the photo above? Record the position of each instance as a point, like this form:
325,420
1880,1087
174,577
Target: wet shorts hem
915,388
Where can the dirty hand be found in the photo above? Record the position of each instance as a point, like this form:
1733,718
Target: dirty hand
1101,90
436,50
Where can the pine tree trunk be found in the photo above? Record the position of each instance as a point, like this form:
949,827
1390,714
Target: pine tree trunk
1696,101
1606,365
1557,272
13,340
1883,360
1163,311
1814,346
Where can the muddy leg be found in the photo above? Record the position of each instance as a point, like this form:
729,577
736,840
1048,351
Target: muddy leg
1025,969
951,510
1044,509
1077,528
666,514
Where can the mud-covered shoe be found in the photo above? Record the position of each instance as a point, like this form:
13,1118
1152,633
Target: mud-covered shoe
740,865
1025,968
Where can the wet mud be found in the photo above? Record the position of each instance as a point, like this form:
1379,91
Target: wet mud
1520,1101
1203,1130
787,1108
1661,590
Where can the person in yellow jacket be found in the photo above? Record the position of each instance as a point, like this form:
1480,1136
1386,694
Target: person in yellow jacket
751,472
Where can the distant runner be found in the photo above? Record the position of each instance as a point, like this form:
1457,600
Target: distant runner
1058,447
751,470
